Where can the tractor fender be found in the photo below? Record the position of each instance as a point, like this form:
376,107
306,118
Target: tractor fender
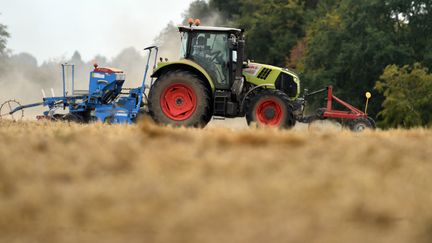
189,65
264,86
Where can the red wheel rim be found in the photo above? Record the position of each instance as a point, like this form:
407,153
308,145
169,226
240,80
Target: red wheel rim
269,112
178,101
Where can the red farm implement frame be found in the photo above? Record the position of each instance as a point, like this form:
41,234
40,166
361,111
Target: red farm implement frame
356,119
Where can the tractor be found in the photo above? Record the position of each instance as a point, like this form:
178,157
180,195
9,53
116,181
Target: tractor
212,79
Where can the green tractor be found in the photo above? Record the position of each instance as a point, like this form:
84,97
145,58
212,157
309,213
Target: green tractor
212,79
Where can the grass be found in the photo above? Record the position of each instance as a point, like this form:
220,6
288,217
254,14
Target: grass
143,183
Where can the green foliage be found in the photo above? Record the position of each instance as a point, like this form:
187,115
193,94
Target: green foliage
198,9
408,96
273,26
350,42
4,35
3,38
231,9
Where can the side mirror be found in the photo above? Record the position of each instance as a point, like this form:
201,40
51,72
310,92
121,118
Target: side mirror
232,42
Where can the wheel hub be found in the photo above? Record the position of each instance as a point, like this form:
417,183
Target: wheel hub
178,101
269,112
360,127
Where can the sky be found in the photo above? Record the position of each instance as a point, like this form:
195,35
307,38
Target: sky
50,29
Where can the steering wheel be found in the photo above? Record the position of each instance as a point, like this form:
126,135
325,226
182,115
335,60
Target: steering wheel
215,55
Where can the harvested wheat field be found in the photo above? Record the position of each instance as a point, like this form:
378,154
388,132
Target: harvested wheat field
143,183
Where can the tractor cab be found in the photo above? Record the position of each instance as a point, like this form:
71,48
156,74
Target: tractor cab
215,49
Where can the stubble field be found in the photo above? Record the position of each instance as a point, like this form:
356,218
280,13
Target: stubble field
64,182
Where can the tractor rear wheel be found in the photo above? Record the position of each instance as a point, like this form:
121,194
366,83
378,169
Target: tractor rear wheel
270,108
180,98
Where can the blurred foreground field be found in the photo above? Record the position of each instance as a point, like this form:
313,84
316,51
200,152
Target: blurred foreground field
144,183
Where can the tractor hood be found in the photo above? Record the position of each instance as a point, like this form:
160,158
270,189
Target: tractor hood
281,78
253,68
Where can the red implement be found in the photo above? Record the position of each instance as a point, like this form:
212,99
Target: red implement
352,113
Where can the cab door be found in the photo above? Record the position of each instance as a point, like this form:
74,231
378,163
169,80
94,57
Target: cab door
210,50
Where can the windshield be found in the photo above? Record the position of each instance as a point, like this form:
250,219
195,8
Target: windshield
183,47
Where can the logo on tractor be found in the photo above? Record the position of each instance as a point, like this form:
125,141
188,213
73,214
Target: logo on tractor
252,69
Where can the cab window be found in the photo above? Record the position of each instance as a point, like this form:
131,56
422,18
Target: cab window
183,47
210,50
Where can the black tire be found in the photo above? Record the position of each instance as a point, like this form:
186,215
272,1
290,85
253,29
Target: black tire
190,89
372,122
73,117
270,107
360,125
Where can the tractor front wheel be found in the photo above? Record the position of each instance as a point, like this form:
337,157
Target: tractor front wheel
180,98
270,108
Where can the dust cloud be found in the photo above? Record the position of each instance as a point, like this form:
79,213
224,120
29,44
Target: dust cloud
22,79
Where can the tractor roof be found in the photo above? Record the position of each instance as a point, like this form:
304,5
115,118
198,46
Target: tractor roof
209,29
